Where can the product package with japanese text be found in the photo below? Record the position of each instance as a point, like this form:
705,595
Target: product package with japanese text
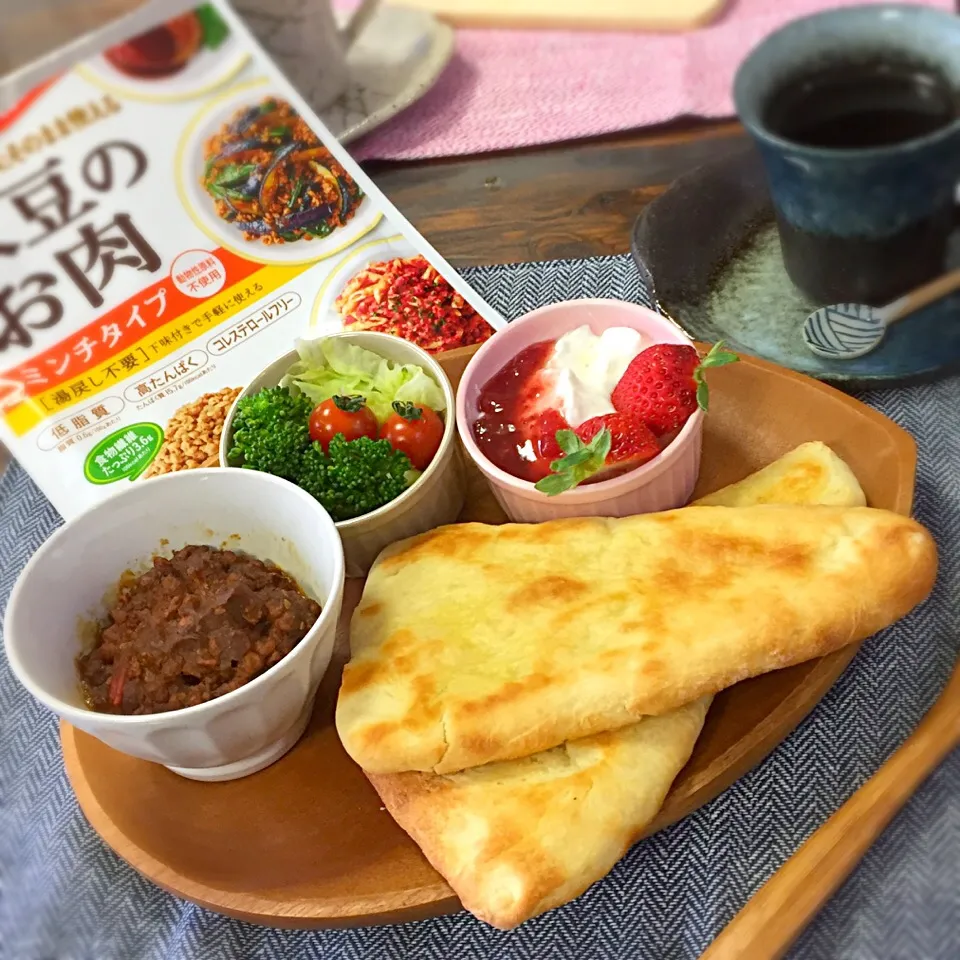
173,217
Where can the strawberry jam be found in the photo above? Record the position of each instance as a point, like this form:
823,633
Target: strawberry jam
505,427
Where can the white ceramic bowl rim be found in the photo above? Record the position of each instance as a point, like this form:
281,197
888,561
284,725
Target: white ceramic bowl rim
71,712
627,480
449,418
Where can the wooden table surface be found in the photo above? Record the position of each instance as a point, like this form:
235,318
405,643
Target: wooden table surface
575,199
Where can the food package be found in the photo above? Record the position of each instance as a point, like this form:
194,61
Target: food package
172,217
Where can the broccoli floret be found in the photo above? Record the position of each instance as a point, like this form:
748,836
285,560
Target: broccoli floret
312,475
271,432
355,476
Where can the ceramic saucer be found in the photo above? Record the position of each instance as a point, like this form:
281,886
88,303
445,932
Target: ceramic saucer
709,251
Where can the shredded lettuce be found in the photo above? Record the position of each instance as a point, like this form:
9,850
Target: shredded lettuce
331,367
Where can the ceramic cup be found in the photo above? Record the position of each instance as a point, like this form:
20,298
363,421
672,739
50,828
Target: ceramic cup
857,223
303,37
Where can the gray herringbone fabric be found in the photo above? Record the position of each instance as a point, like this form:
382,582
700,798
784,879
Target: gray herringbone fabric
64,896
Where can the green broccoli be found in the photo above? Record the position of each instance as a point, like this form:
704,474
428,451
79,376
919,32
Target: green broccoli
271,432
355,476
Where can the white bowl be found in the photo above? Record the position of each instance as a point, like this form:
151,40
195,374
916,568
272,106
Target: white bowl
437,496
228,737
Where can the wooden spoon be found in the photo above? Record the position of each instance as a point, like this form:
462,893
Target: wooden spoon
770,922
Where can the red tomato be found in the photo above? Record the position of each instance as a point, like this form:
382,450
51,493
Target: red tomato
349,416
415,431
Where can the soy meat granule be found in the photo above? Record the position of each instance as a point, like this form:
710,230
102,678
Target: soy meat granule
191,628
192,437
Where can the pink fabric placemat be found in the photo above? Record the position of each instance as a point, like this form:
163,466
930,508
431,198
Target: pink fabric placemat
513,88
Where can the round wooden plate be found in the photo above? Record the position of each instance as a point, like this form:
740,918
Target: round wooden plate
306,843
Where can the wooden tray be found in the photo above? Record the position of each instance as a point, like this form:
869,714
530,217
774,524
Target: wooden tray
306,843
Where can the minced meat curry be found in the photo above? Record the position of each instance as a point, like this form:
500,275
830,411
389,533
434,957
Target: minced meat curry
192,628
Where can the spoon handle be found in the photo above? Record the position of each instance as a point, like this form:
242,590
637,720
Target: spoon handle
776,915
915,299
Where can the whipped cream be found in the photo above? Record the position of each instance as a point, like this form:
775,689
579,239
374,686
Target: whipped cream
583,369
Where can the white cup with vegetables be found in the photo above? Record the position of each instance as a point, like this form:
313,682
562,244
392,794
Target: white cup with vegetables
364,422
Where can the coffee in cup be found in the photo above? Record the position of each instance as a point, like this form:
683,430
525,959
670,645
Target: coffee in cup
856,113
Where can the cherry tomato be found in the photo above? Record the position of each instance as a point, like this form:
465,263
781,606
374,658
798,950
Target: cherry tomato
349,416
415,431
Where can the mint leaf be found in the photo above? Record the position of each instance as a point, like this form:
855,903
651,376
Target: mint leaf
703,396
716,357
555,483
583,455
568,441
600,445
582,462
214,27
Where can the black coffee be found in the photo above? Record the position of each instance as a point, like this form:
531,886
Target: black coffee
867,104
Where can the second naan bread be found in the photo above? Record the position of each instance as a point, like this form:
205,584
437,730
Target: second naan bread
514,839
809,474
477,643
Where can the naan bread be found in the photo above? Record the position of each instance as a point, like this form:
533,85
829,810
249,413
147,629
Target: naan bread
476,643
514,839
810,474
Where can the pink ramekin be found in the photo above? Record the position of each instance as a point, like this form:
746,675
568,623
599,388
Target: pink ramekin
664,483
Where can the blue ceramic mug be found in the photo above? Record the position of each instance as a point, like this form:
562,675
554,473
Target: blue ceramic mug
856,113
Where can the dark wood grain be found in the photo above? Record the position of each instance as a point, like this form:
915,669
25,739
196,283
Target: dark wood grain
568,200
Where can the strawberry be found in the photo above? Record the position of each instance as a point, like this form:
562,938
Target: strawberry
631,440
549,423
664,385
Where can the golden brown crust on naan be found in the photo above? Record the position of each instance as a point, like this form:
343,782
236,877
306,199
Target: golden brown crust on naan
514,839
477,643
557,794
809,474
